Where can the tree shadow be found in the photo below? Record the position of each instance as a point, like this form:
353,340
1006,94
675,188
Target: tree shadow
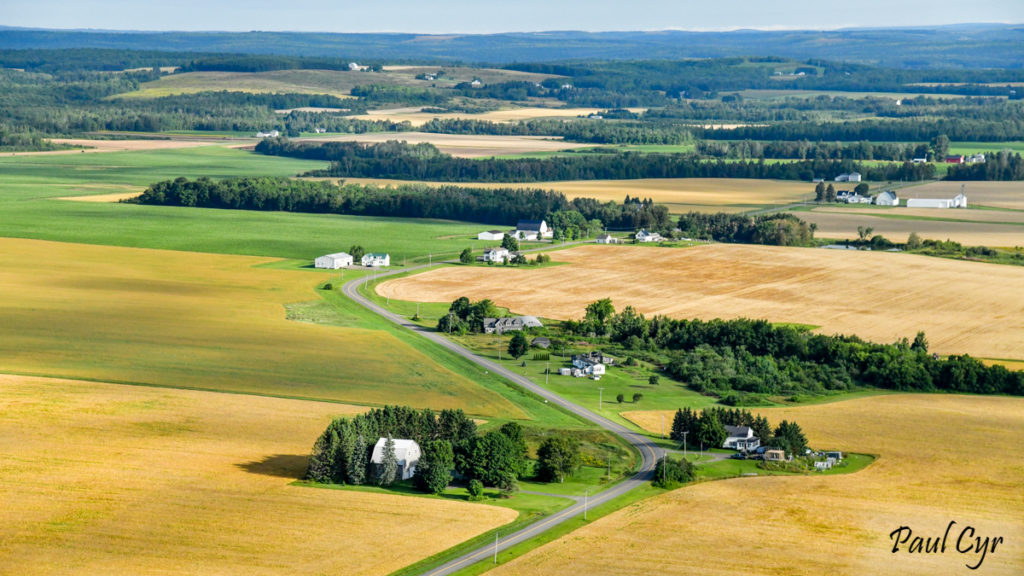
280,465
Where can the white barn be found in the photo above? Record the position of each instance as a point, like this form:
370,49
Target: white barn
887,198
407,452
376,259
491,235
334,261
533,230
958,201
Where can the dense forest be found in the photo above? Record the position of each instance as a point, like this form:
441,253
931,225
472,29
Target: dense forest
501,206
749,359
780,229
402,161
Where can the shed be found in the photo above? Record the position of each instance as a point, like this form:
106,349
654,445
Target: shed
407,452
541,342
491,235
334,261
887,198
775,455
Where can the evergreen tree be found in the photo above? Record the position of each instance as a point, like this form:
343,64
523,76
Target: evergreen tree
435,467
319,469
830,193
510,243
467,256
819,192
357,252
920,343
357,464
710,431
762,429
518,345
388,464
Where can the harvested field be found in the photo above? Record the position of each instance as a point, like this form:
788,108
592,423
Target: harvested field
996,194
843,225
189,320
418,118
113,197
989,216
879,296
828,524
111,479
468,146
679,194
115,146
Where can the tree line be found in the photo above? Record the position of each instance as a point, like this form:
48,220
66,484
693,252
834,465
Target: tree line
737,358
424,162
706,429
779,229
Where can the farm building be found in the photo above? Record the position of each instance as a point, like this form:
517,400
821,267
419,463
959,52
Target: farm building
515,324
978,158
353,66
741,438
491,235
376,259
565,371
533,230
407,452
606,239
645,236
499,255
775,455
476,84
955,159
589,364
920,160
855,198
270,134
851,177
958,201
823,465
541,342
334,261
887,198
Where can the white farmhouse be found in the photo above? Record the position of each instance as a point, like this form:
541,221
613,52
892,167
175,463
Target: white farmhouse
645,236
491,235
741,438
606,239
887,198
589,364
354,66
407,452
334,261
499,255
376,259
270,134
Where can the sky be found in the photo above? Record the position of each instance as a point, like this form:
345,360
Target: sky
488,16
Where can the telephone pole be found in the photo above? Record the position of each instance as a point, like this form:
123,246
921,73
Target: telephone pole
685,432
600,398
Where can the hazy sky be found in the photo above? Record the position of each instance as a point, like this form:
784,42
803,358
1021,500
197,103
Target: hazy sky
486,16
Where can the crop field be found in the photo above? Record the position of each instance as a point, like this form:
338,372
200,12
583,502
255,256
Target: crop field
945,215
464,146
212,322
416,117
109,479
115,146
962,306
679,194
897,226
30,187
924,478
1009,195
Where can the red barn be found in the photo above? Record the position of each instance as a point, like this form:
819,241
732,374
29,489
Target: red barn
955,159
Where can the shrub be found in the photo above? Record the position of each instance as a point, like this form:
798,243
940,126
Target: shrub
475,489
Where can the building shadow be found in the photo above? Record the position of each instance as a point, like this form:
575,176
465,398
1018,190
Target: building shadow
280,465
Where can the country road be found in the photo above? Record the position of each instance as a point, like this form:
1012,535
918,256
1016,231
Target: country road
649,452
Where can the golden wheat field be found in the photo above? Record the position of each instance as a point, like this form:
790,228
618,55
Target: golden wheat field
679,194
941,458
968,227
203,321
962,306
416,117
111,479
462,146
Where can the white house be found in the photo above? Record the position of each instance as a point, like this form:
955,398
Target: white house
376,259
353,66
334,261
920,160
407,452
887,198
491,235
976,158
502,325
499,255
741,438
645,236
476,83
271,134
855,198
589,364
960,200
533,230
606,239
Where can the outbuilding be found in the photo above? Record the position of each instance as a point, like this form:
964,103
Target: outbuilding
491,235
334,261
407,452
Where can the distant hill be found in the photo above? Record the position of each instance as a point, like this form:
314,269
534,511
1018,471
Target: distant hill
956,46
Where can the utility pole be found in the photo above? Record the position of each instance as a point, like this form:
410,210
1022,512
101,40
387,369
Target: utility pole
600,398
495,547
547,374
585,493
685,432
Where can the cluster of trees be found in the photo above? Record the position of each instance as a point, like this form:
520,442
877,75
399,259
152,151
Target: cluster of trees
879,130
590,131
424,162
1002,165
466,317
707,429
780,229
807,150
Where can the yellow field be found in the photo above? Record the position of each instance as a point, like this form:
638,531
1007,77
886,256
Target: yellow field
203,321
117,145
679,194
941,458
962,306
984,216
463,146
971,230
996,194
109,479
418,118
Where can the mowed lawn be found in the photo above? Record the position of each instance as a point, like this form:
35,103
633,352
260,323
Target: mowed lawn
940,459
963,307
209,322
109,479
31,206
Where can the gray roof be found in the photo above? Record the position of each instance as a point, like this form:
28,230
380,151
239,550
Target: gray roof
533,225
742,431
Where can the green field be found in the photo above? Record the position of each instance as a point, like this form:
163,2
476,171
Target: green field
983,147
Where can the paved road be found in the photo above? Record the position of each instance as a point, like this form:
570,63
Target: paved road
649,452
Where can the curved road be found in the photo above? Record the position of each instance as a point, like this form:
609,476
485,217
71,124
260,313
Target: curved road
649,452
